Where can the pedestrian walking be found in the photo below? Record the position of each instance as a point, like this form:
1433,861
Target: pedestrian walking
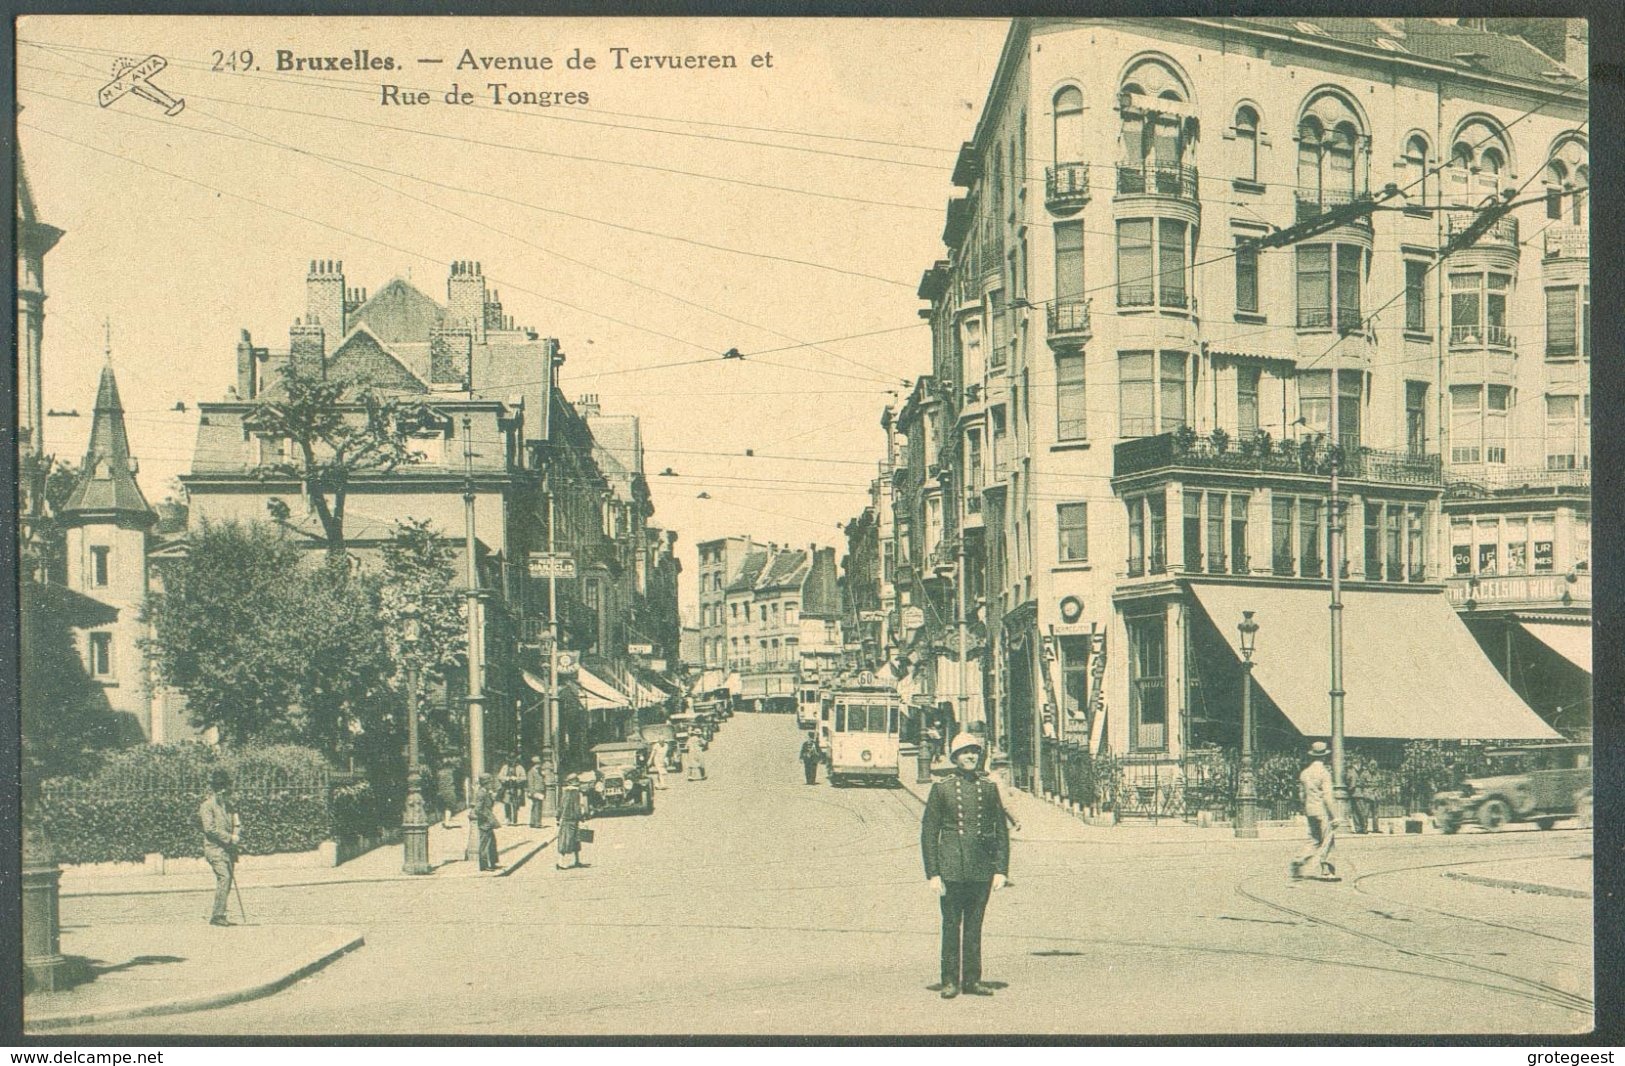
220,840
486,820
809,760
572,812
446,786
536,787
1320,809
695,760
511,781
965,842
657,764
1362,785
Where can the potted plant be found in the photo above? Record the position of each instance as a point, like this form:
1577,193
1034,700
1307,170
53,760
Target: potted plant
1184,440
1220,440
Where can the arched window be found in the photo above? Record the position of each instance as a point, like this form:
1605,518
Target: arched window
1247,144
1556,177
1488,179
1069,125
1417,177
1580,208
1340,169
1309,148
1461,168
1153,102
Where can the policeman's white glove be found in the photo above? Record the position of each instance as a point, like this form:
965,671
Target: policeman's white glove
936,883
998,882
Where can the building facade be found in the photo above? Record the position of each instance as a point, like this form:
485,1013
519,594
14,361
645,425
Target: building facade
1132,406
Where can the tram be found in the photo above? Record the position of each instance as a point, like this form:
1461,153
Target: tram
807,707
864,734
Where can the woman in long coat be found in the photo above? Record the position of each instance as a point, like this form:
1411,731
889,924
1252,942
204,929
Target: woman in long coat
572,810
695,759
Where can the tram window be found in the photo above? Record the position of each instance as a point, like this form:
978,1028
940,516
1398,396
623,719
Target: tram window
840,719
892,728
877,719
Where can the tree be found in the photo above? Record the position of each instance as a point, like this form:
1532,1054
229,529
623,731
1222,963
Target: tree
420,612
43,540
339,429
265,646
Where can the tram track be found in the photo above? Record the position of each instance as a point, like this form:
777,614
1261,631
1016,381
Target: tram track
1526,987
1358,882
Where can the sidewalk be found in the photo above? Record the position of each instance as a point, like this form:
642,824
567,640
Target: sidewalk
516,846
133,971
1568,876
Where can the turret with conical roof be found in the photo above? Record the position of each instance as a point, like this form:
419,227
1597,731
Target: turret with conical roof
107,490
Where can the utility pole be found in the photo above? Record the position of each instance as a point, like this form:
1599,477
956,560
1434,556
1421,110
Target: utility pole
1334,548
553,792
476,644
964,665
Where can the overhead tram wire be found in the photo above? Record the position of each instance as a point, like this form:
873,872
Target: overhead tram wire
431,259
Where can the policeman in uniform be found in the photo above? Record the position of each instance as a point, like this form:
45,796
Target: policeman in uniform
965,841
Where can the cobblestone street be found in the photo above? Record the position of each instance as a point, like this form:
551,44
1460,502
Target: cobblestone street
751,903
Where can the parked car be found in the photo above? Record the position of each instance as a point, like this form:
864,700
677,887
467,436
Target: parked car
1539,784
623,778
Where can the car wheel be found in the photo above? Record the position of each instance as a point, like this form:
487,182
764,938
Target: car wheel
1493,814
648,801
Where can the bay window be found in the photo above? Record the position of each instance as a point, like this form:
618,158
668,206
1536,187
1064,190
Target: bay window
1152,263
1321,288
1478,309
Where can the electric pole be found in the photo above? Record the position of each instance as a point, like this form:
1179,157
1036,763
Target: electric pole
553,793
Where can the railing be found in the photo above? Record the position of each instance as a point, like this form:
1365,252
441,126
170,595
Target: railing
1503,232
1066,186
1534,480
1548,588
1568,242
1312,204
1482,337
1260,455
1157,179
1349,319
1069,318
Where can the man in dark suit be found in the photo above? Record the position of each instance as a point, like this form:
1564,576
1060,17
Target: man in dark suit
965,841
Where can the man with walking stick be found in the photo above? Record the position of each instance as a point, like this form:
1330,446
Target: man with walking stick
220,840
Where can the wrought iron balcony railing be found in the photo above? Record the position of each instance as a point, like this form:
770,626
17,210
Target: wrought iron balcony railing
1168,451
1157,179
1349,319
1483,337
1312,203
1568,242
1503,234
1066,186
1069,318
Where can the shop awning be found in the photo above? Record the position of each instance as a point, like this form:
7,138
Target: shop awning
1572,642
733,684
598,694
1411,670
710,681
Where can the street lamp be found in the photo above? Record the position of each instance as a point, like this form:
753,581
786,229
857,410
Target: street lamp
415,816
1246,787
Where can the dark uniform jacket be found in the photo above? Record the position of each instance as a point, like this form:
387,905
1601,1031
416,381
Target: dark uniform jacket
964,835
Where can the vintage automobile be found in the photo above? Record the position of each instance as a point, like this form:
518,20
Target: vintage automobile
1536,784
623,778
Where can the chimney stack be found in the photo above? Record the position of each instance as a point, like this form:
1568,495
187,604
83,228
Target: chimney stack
325,303
466,298
307,348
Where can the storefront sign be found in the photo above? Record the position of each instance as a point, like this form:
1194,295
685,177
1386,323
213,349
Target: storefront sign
555,564
1543,556
640,649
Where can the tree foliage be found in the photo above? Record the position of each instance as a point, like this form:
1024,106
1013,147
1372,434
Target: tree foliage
264,645
422,618
338,428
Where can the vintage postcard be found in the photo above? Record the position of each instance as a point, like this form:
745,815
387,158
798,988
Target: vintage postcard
555,527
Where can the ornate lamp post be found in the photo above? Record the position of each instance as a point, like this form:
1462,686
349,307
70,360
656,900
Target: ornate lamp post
415,817
1246,787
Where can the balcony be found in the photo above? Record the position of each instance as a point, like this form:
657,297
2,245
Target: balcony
1568,242
1349,319
1165,452
1069,319
1313,204
1519,481
1157,179
1066,187
1503,234
1483,337
1172,297
1519,590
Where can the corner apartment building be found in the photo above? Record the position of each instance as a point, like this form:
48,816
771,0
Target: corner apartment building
1130,412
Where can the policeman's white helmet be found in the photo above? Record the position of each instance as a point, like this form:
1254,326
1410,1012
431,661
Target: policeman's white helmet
964,742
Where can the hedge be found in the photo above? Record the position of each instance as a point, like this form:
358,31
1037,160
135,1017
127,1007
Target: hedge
146,800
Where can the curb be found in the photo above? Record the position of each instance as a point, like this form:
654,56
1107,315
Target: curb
165,890
342,945
1534,887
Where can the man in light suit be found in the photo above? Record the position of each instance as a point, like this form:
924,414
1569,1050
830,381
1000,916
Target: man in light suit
220,840
965,842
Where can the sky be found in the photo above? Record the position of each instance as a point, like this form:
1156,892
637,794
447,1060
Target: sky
784,207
